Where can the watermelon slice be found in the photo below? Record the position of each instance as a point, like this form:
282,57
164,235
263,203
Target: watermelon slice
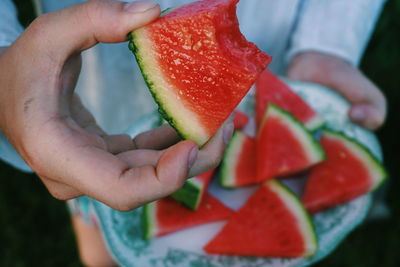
197,65
349,171
240,120
193,190
270,89
238,166
272,223
284,146
166,216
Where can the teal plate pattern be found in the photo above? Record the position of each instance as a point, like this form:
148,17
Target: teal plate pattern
122,230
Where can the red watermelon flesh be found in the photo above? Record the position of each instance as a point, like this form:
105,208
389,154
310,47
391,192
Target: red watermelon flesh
197,65
348,172
270,89
240,120
284,146
167,216
272,223
238,166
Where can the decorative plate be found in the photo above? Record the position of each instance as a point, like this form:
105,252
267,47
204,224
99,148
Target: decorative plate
122,230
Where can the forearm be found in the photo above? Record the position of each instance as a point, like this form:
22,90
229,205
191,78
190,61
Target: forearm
340,28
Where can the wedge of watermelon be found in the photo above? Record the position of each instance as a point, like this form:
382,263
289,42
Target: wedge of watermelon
240,120
197,65
238,166
349,171
272,223
284,146
270,89
192,192
167,216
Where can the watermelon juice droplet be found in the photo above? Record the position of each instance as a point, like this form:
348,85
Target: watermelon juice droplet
208,58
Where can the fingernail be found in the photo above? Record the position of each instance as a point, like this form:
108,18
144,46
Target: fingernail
228,131
139,6
192,156
358,114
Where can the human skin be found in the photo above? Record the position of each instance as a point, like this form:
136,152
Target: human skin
60,140
368,104
45,121
40,113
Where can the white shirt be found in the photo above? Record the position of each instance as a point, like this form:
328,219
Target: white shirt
112,87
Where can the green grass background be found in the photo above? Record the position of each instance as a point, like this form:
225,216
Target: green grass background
35,229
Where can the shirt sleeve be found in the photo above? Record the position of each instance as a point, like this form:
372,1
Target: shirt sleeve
10,28
338,27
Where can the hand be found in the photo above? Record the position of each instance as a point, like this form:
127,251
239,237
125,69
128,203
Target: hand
59,138
368,104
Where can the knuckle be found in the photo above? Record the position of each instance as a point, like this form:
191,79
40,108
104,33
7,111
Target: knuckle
214,160
123,205
37,28
122,202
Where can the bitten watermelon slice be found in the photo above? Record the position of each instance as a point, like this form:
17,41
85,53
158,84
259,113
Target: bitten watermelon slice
192,192
272,223
284,146
166,215
349,171
270,89
197,65
238,166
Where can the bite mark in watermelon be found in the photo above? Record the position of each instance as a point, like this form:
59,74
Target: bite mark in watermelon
192,192
167,216
284,146
272,223
238,166
197,65
349,171
270,89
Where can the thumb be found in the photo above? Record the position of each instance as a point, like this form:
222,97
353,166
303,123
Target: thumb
367,115
81,26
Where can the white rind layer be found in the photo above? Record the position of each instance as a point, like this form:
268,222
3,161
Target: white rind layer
230,161
304,222
315,123
184,120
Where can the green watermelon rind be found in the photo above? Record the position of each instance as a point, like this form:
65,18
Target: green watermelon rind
298,210
314,148
133,46
189,194
183,128
227,175
372,163
149,220
315,124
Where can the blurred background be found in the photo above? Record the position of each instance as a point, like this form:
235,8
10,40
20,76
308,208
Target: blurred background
35,229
